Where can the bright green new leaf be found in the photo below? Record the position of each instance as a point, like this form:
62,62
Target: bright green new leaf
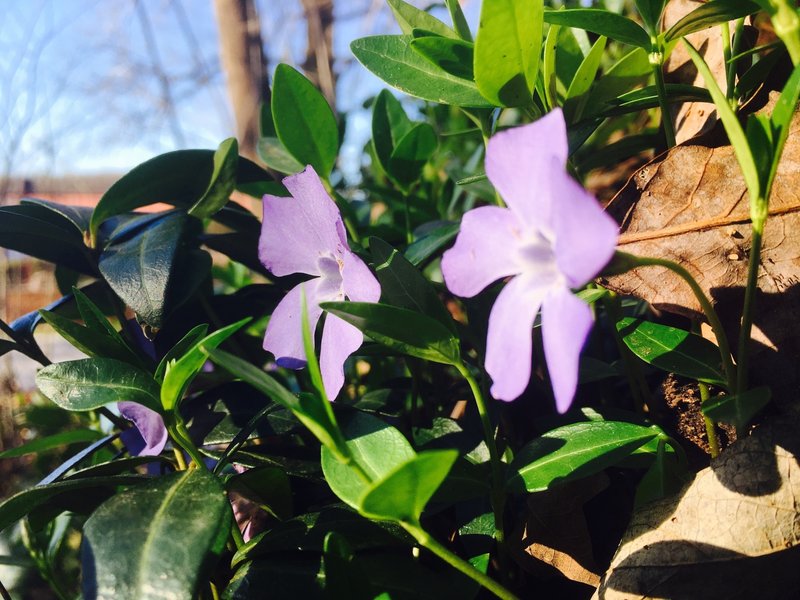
410,17
223,180
507,50
182,347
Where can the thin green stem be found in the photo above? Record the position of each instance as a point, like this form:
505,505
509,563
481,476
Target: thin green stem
181,436
498,486
427,541
708,310
661,90
711,430
236,534
749,303
733,51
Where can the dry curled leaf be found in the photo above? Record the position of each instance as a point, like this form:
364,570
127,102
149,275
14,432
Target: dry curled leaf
730,534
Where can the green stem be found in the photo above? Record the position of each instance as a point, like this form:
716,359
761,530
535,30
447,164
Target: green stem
455,561
181,436
705,304
711,431
498,485
733,50
236,534
749,302
656,60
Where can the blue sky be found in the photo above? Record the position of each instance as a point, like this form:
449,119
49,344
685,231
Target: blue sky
79,85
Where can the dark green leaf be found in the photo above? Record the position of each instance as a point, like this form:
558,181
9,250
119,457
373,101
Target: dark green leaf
673,350
223,180
303,120
403,330
601,22
57,440
402,494
276,156
574,451
650,11
578,92
389,125
77,215
268,487
344,577
391,58
507,50
647,97
737,409
629,72
90,383
410,17
411,153
453,56
286,577
156,540
430,243
710,14
664,477
87,340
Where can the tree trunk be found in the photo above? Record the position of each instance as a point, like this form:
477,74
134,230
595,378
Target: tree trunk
318,64
245,68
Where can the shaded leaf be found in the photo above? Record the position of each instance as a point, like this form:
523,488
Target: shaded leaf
453,56
737,409
710,14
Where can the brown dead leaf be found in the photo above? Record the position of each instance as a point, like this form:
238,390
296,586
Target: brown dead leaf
731,533
556,532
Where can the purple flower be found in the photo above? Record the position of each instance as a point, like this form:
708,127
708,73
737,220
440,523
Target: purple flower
305,234
552,237
148,424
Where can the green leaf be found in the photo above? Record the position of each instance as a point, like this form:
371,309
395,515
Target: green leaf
647,97
781,118
401,329
376,446
276,156
183,346
179,178
664,477
507,51
650,11
710,14
410,17
459,20
156,540
303,120
90,383
673,350
630,71
268,487
344,577
453,56
402,494
391,58
389,125
57,440
601,22
578,92
223,180
20,504
77,215
182,372
574,451
737,409
411,153
87,340
428,244
403,285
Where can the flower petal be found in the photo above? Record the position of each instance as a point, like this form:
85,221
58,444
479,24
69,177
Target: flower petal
509,343
149,424
566,321
297,231
284,335
483,252
359,283
519,165
585,235
339,340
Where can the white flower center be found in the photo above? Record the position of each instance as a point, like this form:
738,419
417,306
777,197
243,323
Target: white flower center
538,260
330,269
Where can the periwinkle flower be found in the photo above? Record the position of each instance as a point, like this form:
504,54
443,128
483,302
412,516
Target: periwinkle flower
148,424
305,234
553,236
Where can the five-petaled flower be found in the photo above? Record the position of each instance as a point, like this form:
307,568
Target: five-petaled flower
305,234
553,236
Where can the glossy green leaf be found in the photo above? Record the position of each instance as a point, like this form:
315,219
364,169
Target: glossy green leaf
376,446
389,124
90,383
507,50
459,20
156,541
710,14
574,451
410,17
87,340
578,92
453,56
601,22
411,153
650,11
549,75
268,487
392,59
647,97
276,156
181,373
286,577
402,494
737,409
223,180
183,346
401,329
49,442
77,215
403,285
304,122
428,244
673,350
179,178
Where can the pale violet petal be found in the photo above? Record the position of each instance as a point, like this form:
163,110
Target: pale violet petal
359,283
585,235
519,163
485,250
339,340
297,231
566,321
509,341
284,335
150,425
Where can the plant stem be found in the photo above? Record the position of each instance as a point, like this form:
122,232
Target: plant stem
708,310
498,496
656,60
733,50
179,459
181,435
749,302
455,561
711,431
